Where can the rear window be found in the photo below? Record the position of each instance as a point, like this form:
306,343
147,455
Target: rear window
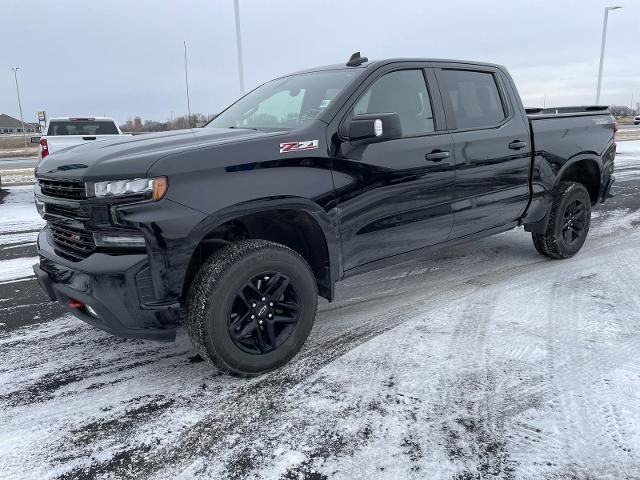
473,97
82,127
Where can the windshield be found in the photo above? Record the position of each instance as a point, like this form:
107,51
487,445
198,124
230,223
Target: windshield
82,127
285,103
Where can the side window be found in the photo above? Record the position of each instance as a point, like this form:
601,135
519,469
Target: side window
474,98
403,92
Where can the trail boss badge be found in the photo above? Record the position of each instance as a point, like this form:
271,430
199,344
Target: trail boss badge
298,146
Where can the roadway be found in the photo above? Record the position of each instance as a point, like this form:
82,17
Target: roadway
17,163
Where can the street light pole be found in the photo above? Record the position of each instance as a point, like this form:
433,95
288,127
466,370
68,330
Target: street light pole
15,76
604,41
239,46
186,82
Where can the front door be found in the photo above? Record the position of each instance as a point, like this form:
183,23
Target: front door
395,196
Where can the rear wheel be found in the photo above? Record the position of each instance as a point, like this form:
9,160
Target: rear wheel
251,307
539,244
569,222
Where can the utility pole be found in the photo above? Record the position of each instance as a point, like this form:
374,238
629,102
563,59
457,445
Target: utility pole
604,41
15,76
186,81
239,46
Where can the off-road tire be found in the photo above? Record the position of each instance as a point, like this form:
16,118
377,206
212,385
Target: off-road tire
540,244
552,243
213,291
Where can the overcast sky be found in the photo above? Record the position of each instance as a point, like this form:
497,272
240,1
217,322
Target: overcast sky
125,58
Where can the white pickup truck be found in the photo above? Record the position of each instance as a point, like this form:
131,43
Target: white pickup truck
64,132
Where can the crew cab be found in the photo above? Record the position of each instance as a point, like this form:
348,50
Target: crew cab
236,228
65,132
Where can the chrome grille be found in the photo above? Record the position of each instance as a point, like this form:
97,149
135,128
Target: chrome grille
63,189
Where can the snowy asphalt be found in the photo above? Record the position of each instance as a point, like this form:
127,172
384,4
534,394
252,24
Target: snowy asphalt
18,162
481,361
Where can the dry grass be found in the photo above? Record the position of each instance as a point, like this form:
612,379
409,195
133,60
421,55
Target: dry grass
13,146
13,141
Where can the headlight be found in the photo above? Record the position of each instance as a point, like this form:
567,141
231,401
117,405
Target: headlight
153,188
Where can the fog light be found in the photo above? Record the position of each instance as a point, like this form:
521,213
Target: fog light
121,241
91,311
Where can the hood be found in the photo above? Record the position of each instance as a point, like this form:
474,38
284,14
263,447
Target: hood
133,156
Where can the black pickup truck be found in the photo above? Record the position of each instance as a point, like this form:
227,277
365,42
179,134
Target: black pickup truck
236,228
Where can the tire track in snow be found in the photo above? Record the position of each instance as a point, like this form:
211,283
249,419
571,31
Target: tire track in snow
474,433
258,398
579,374
272,388
465,287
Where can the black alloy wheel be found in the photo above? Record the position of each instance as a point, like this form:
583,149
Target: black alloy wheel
573,227
264,313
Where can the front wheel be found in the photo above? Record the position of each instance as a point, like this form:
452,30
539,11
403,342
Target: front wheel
251,307
569,222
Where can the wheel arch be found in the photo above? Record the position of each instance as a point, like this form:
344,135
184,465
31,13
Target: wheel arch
585,169
297,223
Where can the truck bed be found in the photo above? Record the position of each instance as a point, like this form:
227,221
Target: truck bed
564,135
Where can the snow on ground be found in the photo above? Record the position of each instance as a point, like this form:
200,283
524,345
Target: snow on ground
17,176
480,361
627,151
17,210
17,268
627,132
11,239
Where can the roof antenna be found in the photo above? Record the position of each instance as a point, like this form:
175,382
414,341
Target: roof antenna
356,60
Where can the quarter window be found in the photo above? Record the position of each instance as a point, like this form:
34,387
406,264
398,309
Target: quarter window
403,92
473,97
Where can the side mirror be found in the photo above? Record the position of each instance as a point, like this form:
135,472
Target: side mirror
375,127
35,139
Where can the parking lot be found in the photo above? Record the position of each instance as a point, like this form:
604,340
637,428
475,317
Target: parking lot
483,361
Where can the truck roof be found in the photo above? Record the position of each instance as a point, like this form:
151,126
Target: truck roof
372,64
81,117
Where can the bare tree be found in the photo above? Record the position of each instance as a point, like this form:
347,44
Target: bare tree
620,111
178,123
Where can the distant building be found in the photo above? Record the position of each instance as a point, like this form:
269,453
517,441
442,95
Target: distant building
13,125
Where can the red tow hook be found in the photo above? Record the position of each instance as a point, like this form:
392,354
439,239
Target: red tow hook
75,304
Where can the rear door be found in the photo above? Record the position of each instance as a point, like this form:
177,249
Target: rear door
490,145
395,196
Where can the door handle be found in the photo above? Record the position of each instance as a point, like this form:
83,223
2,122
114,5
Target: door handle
436,155
517,145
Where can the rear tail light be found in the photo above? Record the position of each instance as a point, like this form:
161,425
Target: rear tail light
45,147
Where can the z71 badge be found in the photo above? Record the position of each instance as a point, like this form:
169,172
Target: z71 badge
298,146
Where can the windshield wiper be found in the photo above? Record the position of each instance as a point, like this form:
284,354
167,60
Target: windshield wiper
244,128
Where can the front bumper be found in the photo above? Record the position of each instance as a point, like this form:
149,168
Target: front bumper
113,286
